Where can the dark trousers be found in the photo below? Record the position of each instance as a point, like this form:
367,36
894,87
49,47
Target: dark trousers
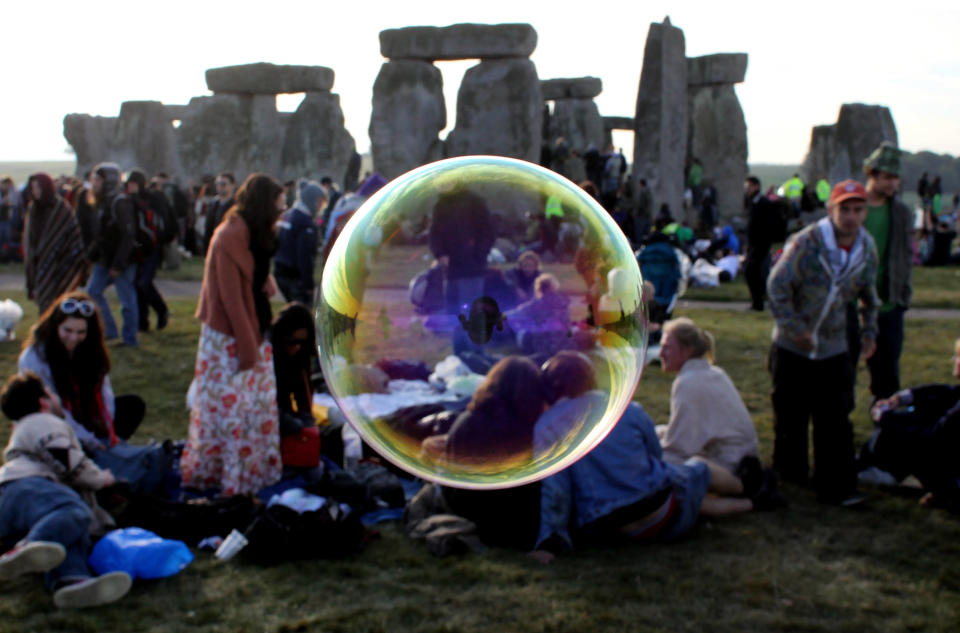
884,365
821,391
292,289
147,294
907,443
755,271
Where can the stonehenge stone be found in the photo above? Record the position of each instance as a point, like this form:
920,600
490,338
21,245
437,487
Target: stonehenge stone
722,68
611,123
577,88
231,132
837,151
660,132
579,122
269,79
91,138
499,111
718,138
316,143
144,138
409,112
618,123
459,41
175,112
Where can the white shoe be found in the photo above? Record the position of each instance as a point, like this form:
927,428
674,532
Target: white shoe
92,592
30,557
873,476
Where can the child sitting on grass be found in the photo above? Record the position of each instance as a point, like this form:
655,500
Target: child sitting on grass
41,511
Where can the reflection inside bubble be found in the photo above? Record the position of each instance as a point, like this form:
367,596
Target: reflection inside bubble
443,302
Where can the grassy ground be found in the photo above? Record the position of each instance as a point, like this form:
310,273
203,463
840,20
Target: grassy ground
937,287
20,171
887,566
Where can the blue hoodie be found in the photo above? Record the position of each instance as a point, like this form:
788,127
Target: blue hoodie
297,238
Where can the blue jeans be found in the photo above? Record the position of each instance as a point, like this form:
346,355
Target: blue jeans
127,294
37,509
690,482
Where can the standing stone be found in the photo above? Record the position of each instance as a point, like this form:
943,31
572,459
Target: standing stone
91,138
837,151
145,138
316,143
408,114
578,121
499,111
718,138
459,41
825,158
231,132
660,137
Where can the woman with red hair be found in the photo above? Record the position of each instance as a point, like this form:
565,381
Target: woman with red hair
53,248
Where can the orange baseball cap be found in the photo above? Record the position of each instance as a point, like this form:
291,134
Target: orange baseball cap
847,190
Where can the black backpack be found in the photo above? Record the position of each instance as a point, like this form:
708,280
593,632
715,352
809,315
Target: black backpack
280,534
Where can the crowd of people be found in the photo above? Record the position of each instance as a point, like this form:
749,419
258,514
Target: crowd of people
837,292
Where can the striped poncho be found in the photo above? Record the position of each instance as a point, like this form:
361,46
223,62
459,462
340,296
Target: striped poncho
53,252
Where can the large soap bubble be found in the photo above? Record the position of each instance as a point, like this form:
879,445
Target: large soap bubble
450,288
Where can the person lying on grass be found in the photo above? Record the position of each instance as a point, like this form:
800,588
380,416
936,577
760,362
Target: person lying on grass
42,513
918,432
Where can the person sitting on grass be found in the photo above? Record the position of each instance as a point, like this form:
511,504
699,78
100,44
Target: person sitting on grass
41,511
918,433
708,419
622,490
524,274
66,348
497,428
294,359
542,324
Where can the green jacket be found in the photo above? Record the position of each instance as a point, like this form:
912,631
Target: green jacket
899,255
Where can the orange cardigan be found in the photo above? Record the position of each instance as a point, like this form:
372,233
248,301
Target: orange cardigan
226,299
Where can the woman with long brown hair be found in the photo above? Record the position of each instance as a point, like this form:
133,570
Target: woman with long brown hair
233,442
497,427
53,245
66,349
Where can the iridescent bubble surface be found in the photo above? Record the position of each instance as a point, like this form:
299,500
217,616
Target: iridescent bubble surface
428,290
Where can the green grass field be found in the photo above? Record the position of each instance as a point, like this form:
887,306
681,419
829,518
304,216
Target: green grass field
886,566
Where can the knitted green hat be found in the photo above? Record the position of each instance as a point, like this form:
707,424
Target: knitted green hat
884,158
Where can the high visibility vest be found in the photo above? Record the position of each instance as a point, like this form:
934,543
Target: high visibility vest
793,188
823,190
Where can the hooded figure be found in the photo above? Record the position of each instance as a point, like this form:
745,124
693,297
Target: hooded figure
53,249
297,244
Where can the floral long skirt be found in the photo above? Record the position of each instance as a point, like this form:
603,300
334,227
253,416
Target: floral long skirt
234,439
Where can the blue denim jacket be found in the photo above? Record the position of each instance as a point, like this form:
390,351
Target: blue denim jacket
623,469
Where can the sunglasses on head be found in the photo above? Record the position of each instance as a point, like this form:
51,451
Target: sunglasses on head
72,306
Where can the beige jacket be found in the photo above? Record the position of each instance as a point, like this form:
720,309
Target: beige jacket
707,418
43,445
